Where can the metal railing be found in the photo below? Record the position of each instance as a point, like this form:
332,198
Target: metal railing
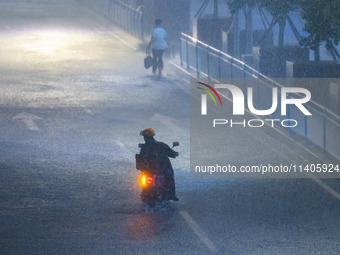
322,129
125,16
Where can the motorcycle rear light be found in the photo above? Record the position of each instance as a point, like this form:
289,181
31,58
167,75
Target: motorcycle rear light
146,180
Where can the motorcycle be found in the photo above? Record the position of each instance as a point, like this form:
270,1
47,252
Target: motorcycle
155,190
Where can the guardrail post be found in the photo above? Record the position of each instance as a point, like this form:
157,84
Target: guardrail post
180,51
208,63
198,73
114,12
257,102
324,128
288,116
219,65
125,22
128,20
306,129
244,79
132,18
187,52
244,71
132,15
119,14
141,24
108,9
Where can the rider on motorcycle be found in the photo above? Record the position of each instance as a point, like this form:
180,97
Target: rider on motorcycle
163,151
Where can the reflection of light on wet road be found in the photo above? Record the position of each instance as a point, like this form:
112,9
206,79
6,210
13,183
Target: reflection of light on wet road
48,43
142,227
43,49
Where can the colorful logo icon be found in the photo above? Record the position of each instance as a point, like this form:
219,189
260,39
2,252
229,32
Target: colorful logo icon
209,93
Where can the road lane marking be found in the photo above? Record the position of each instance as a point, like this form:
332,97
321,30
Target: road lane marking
28,119
182,69
198,231
168,122
122,40
126,151
326,187
104,30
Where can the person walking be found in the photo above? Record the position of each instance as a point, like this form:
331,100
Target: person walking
158,44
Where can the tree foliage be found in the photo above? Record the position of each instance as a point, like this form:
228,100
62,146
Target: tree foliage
235,5
322,19
322,22
279,9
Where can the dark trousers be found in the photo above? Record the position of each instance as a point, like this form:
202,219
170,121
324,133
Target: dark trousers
157,59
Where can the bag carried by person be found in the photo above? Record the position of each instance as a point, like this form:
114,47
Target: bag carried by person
147,61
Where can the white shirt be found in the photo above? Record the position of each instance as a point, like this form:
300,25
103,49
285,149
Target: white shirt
159,39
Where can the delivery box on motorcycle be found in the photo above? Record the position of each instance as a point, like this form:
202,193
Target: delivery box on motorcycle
147,163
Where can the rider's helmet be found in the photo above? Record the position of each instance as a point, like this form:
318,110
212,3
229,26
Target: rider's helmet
148,132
